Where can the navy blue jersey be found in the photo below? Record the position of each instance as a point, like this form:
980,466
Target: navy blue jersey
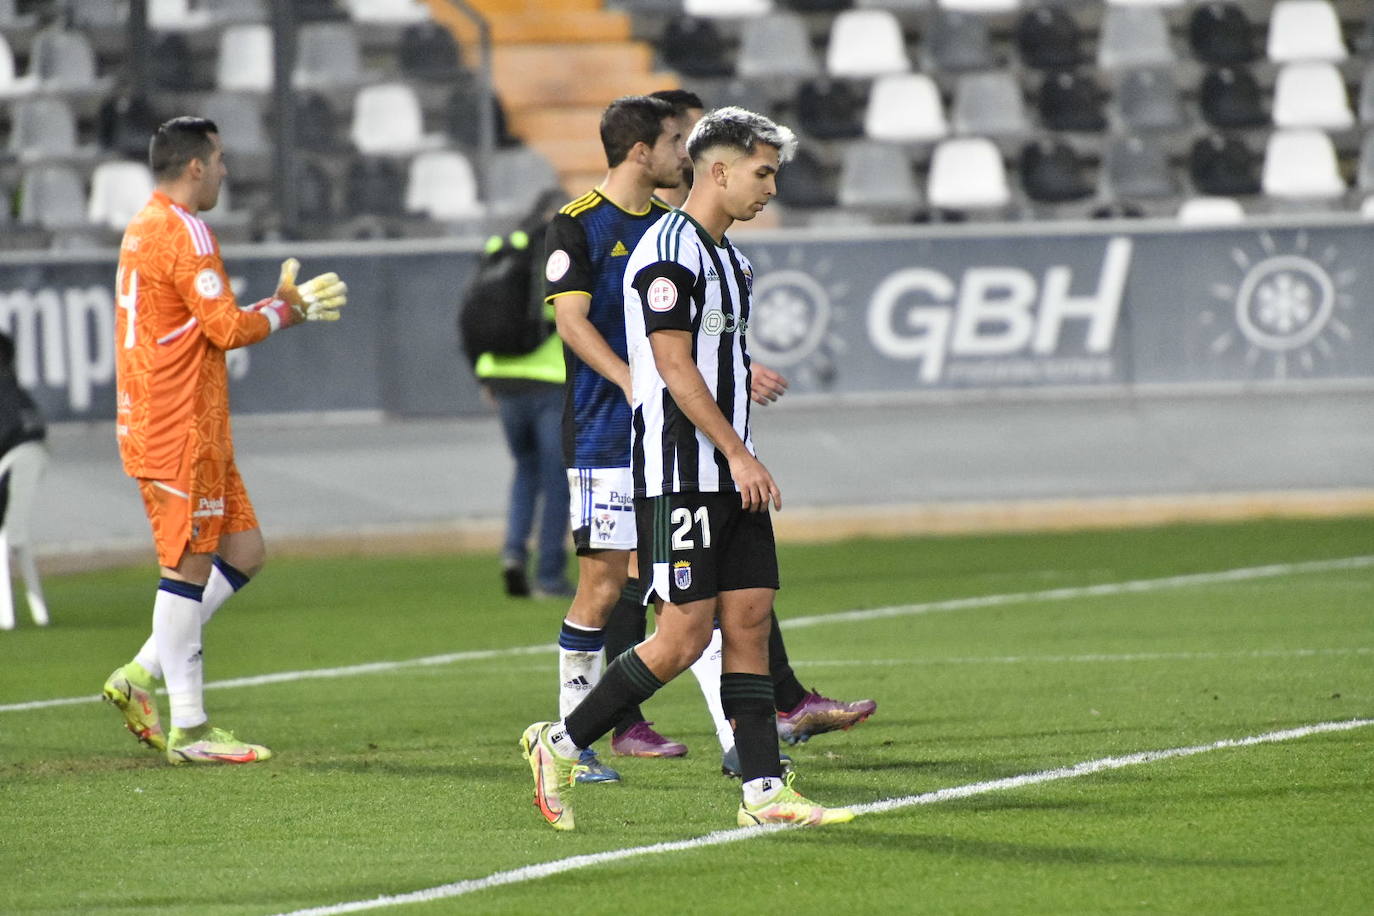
589,243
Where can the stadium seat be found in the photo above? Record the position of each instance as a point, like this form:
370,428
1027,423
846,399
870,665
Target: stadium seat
23,465
1224,167
170,61
441,184
387,11
775,45
245,58
327,56
726,9
1134,167
376,187
175,16
125,123
1311,95
43,127
1049,38
1071,100
1221,33
955,42
462,121
905,108
519,176
1231,97
239,119
1367,207
989,104
1210,211
1300,164
1133,36
428,52
829,109
51,196
315,193
317,126
387,120
1149,100
967,173
118,191
805,182
878,177
866,43
693,46
61,60
8,75
88,15
1305,30
1051,172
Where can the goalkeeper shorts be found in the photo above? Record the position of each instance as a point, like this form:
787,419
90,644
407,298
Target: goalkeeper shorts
191,513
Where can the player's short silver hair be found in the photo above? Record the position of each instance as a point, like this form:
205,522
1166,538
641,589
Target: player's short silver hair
740,129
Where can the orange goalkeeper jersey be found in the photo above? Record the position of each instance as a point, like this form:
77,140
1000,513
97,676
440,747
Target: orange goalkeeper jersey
175,318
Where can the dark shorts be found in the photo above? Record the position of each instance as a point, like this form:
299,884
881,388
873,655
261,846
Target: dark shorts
695,545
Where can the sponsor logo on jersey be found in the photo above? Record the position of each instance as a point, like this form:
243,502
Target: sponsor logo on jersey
556,267
662,295
209,284
682,574
619,251
716,322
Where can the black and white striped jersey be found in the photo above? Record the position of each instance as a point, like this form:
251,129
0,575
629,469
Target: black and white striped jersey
678,278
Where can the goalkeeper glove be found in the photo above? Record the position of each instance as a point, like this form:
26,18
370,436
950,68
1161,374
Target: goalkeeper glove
317,299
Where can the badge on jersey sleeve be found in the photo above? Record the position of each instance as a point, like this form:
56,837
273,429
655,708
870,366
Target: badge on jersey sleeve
557,265
662,295
209,284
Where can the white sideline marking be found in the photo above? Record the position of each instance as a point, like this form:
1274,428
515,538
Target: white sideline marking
1135,586
720,837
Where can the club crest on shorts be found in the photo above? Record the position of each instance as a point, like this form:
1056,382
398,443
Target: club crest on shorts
682,574
604,524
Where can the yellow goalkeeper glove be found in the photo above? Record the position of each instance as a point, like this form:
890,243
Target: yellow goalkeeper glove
317,299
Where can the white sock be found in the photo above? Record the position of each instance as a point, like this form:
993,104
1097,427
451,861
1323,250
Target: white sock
579,664
707,672
562,743
760,791
176,628
217,591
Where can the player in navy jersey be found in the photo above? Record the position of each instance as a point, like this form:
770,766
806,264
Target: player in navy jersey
701,494
588,244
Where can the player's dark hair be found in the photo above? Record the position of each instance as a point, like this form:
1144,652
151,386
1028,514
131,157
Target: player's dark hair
740,130
682,100
630,120
176,142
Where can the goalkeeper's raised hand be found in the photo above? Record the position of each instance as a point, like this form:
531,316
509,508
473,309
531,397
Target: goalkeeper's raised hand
317,299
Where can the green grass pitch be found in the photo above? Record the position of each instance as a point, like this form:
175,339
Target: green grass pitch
409,778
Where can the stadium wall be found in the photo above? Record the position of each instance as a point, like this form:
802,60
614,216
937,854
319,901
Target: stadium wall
857,311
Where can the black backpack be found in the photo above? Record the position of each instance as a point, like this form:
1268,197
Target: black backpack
501,311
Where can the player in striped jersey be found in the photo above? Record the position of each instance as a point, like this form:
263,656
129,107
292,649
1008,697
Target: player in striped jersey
702,497
175,319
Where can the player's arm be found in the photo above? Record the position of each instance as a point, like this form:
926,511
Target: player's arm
568,287
570,314
204,287
673,357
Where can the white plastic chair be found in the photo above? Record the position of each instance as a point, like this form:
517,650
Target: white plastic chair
726,9
118,191
441,184
1300,164
1312,95
905,108
388,11
1210,211
245,58
387,120
1305,30
866,43
24,464
967,173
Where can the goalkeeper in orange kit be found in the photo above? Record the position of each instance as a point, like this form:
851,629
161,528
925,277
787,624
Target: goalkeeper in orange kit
175,319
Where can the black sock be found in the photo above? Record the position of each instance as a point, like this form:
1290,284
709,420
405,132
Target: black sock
626,682
625,629
748,700
787,690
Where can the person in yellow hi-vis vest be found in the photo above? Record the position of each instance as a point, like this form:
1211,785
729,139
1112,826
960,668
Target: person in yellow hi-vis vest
528,390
